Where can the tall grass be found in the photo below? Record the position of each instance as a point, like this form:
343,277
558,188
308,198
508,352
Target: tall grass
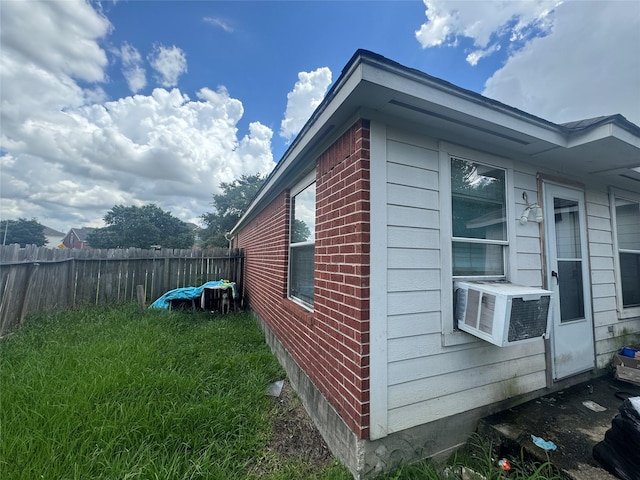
108,393
111,394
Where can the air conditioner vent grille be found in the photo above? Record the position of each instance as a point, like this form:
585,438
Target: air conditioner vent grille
528,318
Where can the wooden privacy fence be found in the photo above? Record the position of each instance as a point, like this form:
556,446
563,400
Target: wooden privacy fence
36,279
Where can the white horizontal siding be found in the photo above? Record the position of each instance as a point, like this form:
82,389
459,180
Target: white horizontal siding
528,249
455,359
600,238
399,280
441,406
409,237
462,380
412,217
411,324
421,370
426,379
399,303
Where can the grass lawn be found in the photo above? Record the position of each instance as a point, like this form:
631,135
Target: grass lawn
108,393
112,394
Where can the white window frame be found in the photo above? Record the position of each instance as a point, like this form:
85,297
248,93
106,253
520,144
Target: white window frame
484,241
298,188
450,334
623,312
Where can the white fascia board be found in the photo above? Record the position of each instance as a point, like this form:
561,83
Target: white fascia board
453,98
602,132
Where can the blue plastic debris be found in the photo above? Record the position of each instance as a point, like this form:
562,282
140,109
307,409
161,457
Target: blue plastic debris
544,444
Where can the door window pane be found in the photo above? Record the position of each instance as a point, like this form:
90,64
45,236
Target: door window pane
567,221
571,290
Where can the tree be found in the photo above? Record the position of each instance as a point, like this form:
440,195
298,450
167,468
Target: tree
301,232
22,231
229,206
141,227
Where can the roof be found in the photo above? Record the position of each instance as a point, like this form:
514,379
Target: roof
48,231
374,87
590,123
82,233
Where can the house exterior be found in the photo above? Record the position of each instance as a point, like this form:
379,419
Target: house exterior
54,237
399,187
77,238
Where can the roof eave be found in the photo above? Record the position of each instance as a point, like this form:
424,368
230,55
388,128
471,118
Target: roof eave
372,82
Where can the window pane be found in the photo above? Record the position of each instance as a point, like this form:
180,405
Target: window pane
302,247
303,223
475,259
478,201
630,274
628,224
567,228
478,211
301,274
628,234
570,289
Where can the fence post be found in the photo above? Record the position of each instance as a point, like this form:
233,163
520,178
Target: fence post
27,292
140,295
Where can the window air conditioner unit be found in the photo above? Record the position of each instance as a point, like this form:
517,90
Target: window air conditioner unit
502,313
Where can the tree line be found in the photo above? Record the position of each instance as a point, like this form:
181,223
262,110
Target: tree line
149,226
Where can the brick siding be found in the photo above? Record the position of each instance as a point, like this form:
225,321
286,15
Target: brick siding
331,344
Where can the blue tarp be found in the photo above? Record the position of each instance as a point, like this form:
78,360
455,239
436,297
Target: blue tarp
190,293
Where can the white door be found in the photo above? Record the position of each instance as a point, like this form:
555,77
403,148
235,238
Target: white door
568,277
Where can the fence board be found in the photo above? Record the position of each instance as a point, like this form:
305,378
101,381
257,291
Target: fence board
37,279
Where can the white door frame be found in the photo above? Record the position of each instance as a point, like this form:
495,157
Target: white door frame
567,260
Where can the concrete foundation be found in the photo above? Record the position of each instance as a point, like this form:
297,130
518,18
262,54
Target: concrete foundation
367,458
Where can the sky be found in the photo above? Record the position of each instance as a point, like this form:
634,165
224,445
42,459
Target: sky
136,102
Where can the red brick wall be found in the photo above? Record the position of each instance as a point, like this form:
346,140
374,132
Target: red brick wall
331,343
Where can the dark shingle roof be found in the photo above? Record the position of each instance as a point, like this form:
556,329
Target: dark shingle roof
83,232
588,123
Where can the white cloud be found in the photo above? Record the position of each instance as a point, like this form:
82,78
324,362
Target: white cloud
219,22
474,57
132,68
306,95
170,63
448,20
59,37
163,148
565,60
67,155
587,67
46,48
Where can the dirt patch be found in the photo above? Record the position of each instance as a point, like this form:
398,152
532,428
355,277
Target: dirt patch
294,434
294,440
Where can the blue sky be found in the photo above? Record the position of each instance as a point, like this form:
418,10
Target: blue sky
135,102
256,49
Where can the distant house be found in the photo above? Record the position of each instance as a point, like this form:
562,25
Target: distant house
408,208
54,237
77,238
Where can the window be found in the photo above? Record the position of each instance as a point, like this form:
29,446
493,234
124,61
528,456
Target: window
478,216
627,222
302,245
